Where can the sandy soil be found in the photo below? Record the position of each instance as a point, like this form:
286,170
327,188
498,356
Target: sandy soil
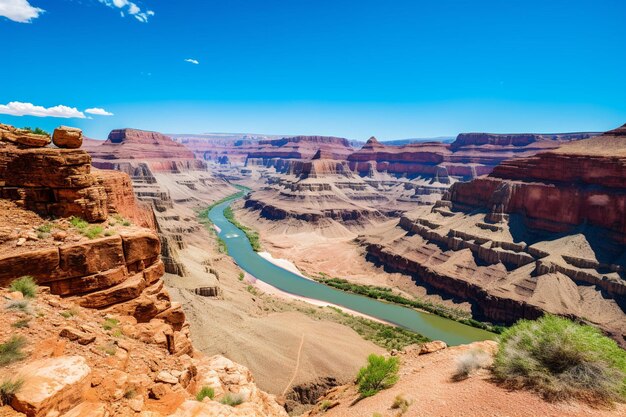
425,381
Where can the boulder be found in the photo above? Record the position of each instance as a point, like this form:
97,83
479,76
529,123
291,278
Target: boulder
67,137
432,347
51,386
76,335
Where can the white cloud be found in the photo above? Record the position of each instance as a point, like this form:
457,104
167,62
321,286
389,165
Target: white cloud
129,7
133,8
16,108
98,111
192,61
19,10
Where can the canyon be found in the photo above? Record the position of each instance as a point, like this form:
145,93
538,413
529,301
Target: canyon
102,336
520,224
194,265
478,225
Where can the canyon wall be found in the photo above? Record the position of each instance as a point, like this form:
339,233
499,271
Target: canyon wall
470,155
542,233
143,156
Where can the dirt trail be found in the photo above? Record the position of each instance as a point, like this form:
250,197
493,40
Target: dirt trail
295,371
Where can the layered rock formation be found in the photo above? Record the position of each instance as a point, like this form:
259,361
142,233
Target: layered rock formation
143,156
132,144
275,152
106,339
544,233
470,155
216,146
318,190
57,182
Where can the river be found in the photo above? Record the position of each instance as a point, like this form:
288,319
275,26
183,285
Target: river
430,325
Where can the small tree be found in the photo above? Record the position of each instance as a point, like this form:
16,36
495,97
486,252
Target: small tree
380,373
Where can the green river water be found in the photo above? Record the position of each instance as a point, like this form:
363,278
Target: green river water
430,325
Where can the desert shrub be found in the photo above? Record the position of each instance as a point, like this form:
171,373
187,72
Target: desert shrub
45,228
232,399
400,403
21,305
469,362
78,223
26,285
8,388
20,324
11,351
68,313
36,131
204,393
560,359
325,405
110,323
379,374
241,276
109,348
93,232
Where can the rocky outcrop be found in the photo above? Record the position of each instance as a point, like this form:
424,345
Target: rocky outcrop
159,154
216,146
98,362
22,138
133,144
60,182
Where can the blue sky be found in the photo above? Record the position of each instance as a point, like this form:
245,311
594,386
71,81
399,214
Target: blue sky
393,69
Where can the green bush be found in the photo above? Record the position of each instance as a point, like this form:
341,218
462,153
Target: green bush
325,405
232,399
110,323
8,389
45,228
379,374
36,131
78,223
560,359
205,392
11,351
93,231
26,285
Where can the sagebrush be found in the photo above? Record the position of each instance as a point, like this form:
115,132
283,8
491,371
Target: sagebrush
560,360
